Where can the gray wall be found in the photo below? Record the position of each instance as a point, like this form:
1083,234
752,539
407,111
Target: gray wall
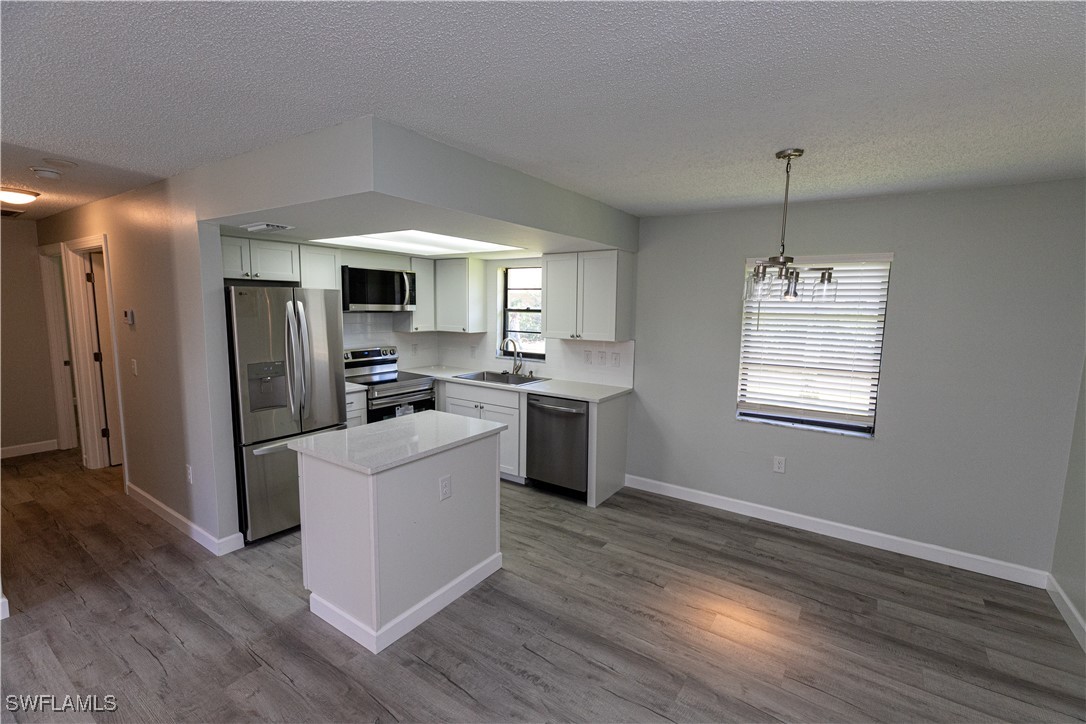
984,338
1069,559
27,412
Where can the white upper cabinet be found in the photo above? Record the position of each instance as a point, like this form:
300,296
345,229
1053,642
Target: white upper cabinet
459,295
320,267
588,295
272,261
560,296
422,319
235,258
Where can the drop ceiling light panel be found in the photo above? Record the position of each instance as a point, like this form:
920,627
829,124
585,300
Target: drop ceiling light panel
420,243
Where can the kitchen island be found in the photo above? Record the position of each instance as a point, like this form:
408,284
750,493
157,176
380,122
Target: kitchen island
399,519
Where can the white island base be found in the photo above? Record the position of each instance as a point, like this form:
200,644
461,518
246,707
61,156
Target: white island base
381,550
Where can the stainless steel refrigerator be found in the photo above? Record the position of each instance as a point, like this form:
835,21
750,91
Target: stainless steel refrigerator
286,347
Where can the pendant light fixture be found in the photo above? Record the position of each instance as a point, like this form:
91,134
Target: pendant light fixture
774,278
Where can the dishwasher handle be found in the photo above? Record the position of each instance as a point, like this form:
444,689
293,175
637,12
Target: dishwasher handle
556,408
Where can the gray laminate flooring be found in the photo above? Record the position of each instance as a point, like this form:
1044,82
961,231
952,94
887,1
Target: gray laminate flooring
646,609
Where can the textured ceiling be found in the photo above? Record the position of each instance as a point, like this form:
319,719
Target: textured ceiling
654,108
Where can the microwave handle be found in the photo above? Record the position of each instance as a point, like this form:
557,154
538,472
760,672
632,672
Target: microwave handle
406,288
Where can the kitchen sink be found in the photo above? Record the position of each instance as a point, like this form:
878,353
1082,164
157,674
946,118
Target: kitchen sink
504,378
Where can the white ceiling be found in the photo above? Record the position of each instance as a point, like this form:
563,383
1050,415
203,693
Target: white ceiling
654,108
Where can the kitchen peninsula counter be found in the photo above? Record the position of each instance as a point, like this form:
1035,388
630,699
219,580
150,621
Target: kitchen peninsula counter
399,519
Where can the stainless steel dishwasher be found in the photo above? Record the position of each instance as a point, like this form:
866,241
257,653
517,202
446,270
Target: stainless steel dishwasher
558,442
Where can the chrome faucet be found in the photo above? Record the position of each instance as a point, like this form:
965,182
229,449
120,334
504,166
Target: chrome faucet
518,360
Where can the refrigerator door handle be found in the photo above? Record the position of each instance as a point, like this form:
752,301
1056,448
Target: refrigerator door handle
307,362
292,362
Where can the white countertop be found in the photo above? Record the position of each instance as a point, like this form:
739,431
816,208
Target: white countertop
390,443
584,391
349,387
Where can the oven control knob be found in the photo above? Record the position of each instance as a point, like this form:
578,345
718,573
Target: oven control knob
346,355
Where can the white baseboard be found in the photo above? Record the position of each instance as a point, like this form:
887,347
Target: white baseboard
1070,614
376,641
28,448
4,607
884,541
218,546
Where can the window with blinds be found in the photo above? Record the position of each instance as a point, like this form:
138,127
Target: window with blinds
816,365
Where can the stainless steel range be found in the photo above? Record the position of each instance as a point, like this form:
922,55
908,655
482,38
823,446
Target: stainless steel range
389,392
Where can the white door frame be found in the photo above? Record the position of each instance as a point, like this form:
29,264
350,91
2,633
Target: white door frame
56,327
82,325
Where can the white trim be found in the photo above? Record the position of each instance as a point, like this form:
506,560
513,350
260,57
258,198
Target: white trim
875,539
1070,614
375,641
28,448
4,613
218,546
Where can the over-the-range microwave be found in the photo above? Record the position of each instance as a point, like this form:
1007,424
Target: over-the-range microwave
377,290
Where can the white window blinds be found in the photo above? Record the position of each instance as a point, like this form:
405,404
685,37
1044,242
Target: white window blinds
817,365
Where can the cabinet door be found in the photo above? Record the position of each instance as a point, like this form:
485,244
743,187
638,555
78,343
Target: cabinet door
235,258
459,295
598,285
274,261
509,439
461,407
320,267
422,319
560,296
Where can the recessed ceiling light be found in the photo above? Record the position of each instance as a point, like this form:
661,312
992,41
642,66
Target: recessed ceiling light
45,172
17,196
413,241
59,163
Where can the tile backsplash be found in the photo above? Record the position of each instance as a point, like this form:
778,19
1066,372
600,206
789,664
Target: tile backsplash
608,363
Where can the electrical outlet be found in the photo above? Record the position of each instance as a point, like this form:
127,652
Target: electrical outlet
601,357
188,474
473,352
616,359
444,487
135,367
778,464
588,356
414,350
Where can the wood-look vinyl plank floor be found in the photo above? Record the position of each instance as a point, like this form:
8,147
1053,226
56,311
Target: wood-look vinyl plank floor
646,609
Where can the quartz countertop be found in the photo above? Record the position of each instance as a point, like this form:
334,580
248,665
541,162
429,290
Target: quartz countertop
584,391
349,387
390,443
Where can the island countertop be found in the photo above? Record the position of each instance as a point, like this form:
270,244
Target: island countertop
390,443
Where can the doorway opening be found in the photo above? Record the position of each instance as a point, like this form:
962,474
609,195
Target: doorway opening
80,315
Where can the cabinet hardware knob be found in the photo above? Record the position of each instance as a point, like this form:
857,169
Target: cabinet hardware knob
256,275
245,274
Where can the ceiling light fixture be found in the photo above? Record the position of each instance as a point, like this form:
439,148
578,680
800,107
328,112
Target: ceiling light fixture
17,196
785,284
45,172
413,241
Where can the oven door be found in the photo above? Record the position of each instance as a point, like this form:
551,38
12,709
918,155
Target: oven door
383,408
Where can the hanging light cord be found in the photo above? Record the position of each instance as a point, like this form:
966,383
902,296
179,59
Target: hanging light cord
784,219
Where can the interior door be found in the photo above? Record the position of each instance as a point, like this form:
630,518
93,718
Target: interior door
107,360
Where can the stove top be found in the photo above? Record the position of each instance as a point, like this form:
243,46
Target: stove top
377,368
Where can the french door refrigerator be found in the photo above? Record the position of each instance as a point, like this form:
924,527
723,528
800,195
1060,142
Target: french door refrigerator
286,348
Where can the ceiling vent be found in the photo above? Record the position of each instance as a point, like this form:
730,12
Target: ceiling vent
10,213
265,227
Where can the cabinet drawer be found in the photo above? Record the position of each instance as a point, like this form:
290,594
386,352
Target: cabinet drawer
356,401
484,395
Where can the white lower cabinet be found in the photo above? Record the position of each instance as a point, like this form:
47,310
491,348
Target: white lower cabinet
494,405
356,408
